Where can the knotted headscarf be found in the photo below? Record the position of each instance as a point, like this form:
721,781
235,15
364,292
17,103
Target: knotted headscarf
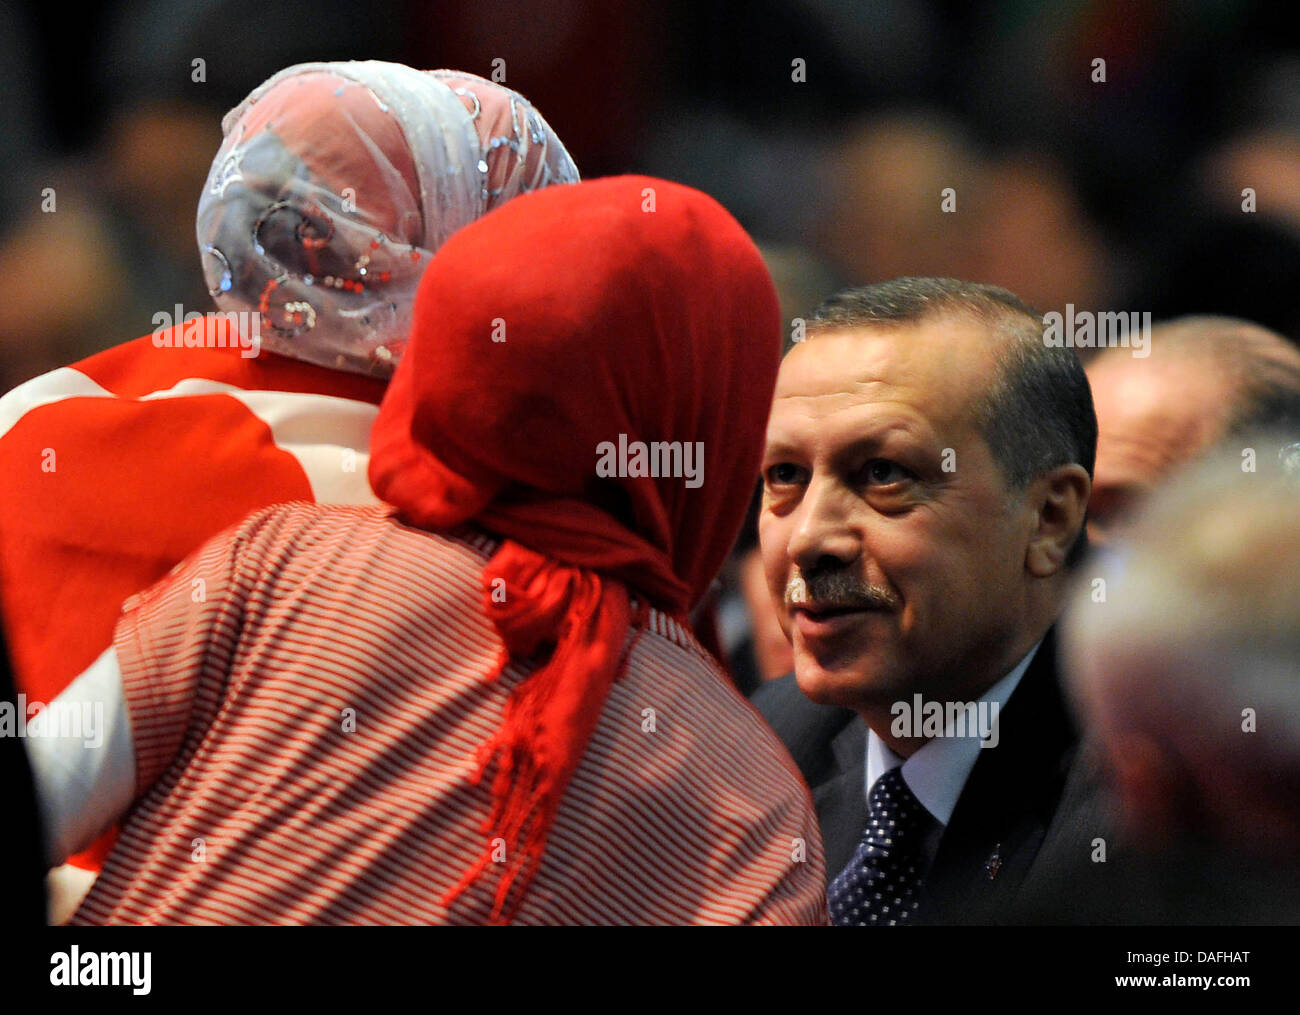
337,181
555,343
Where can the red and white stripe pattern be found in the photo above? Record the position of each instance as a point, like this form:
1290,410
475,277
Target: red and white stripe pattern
261,804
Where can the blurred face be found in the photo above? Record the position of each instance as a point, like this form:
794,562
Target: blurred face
888,536
1151,417
1166,784
771,647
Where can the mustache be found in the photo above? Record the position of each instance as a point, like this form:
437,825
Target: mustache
837,590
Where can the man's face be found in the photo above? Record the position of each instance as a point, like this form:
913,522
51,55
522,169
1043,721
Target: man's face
1151,417
881,494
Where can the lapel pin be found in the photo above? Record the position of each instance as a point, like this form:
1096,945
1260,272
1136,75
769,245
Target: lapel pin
994,863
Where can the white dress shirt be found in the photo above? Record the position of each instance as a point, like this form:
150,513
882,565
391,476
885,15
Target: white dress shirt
937,772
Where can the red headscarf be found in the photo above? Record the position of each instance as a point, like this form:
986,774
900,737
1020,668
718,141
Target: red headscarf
628,309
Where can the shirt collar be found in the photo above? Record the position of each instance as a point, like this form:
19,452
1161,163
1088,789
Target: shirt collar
937,772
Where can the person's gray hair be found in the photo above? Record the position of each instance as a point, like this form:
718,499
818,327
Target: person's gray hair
1039,413
1263,366
1195,615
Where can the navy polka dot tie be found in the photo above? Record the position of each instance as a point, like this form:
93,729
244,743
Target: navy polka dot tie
881,884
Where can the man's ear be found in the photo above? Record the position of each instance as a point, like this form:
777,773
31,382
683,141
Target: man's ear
1059,498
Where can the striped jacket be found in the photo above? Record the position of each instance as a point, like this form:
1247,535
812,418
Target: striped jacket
306,698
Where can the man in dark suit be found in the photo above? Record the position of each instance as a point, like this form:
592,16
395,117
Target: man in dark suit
997,850
1185,671
928,464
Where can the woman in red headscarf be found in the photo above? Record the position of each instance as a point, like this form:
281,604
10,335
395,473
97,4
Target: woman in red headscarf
333,187
482,703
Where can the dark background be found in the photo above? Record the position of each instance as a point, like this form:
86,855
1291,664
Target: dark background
1118,195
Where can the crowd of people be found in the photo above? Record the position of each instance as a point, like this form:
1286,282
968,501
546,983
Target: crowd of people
337,611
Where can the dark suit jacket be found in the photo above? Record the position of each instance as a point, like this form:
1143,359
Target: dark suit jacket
1024,800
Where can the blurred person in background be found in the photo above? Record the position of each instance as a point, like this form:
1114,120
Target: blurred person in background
911,194
750,634
129,97
1204,380
1030,234
757,649
517,612
1184,671
886,217
66,285
334,185
802,281
1265,161
54,248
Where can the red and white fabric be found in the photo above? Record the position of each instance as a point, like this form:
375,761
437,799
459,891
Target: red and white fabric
306,736
118,467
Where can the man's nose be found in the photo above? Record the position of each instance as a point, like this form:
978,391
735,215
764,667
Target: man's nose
823,535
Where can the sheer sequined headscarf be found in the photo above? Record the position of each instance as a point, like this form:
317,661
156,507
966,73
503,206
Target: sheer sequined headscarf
335,184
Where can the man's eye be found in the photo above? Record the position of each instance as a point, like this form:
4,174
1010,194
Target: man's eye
885,472
783,474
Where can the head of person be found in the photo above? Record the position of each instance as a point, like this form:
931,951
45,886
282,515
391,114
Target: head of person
590,372
925,478
883,179
1180,642
1204,380
334,185
588,379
